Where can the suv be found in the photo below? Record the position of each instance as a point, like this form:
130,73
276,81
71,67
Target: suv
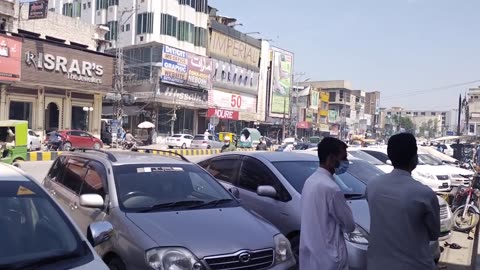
167,213
36,233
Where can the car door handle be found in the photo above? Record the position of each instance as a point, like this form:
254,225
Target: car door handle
53,192
73,206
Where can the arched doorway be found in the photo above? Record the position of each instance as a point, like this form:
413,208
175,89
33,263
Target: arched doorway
52,117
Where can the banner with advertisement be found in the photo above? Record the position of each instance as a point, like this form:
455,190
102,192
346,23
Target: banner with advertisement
314,99
10,58
281,81
232,101
332,116
181,67
38,9
309,115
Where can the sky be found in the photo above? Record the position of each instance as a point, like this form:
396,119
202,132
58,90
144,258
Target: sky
420,54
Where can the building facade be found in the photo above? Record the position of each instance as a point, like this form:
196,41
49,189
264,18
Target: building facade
428,124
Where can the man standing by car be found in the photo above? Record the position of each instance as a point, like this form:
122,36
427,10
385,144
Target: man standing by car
404,214
326,215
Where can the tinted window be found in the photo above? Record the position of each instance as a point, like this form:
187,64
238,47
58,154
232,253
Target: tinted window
366,157
425,159
31,133
224,169
176,136
83,134
94,180
32,226
378,155
363,171
75,133
57,170
199,137
74,173
140,186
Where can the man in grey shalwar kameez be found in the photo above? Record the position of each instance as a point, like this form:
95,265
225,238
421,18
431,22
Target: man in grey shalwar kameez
325,212
404,214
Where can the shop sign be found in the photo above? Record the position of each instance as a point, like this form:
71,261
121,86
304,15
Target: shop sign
222,114
38,9
332,116
181,67
232,101
10,55
281,81
233,49
314,99
230,76
176,95
76,70
303,125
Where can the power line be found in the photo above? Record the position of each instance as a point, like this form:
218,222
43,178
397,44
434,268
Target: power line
418,92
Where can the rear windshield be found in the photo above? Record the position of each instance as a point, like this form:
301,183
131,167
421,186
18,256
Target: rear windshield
140,186
176,136
199,137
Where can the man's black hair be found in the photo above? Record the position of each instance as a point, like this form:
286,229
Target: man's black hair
401,149
329,146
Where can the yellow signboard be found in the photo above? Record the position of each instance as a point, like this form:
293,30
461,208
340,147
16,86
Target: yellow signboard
233,49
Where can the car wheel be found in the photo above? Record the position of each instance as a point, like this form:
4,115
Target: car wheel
170,147
116,264
96,146
208,147
67,146
184,146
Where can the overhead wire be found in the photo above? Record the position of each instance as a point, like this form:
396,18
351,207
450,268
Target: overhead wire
419,92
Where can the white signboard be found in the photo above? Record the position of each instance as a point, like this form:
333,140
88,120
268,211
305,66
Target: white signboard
232,101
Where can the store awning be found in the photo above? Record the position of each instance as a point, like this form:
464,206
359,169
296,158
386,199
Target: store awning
127,110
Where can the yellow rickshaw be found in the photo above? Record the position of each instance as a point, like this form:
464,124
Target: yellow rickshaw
13,141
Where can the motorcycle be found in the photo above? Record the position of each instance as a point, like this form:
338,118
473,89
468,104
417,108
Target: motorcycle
465,208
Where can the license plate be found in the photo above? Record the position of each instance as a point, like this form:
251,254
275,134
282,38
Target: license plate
445,185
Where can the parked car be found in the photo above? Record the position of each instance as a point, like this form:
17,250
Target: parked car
33,141
80,139
458,176
36,233
167,213
270,183
356,153
425,174
179,140
206,142
304,146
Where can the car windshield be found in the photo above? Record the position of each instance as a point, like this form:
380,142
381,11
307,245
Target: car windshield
365,157
176,136
426,159
33,227
351,182
142,186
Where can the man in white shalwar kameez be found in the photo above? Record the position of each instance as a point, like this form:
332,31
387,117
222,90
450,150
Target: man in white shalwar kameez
325,212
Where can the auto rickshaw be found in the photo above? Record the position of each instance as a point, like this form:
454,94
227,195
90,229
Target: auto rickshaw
249,138
13,141
233,137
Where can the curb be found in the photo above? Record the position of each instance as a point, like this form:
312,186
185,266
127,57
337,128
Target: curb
42,156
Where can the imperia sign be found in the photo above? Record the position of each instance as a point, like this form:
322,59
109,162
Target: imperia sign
74,69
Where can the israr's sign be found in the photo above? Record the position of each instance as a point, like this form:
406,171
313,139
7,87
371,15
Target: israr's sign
38,9
222,114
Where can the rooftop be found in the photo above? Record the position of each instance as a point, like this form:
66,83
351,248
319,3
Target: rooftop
122,158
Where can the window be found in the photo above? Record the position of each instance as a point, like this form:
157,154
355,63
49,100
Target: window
101,4
84,6
75,133
433,113
74,174
415,113
58,168
112,34
94,180
378,155
332,97
186,31
201,6
200,37
112,3
145,23
224,169
89,4
422,113
127,27
21,111
168,25
254,174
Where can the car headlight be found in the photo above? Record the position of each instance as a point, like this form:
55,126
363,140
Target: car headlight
425,175
456,176
172,259
358,236
283,250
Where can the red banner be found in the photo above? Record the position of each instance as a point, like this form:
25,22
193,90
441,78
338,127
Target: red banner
303,125
10,58
223,114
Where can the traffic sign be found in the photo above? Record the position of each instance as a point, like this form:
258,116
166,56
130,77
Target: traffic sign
214,120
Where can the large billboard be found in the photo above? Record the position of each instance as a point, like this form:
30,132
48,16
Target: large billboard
10,58
281,82
234,49
181,67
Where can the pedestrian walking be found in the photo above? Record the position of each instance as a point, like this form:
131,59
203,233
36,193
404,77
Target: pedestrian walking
325,214
404,214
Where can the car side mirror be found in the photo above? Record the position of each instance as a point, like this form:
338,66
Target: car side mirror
389,162
235,192
99,232
267,191
91,201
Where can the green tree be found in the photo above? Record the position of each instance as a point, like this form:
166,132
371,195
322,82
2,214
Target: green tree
405,123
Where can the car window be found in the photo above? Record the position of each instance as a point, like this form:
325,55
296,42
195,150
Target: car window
31,133
254,173
94,180
75,133
176,136
378,155
33,227
211,138
199,137
58,169
190,137
366,157
74,174
426,159
83,134
141,186
223,169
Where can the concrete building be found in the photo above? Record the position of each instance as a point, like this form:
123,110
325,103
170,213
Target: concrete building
473,97
372,108
428,124
176,23
7,15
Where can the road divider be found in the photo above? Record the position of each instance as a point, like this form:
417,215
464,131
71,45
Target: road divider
42,156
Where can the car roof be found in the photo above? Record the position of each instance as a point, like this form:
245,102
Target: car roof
375,149
11,173
276,156
123,158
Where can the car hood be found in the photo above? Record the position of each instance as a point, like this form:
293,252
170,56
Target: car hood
361,213
446,169
385,168
207,232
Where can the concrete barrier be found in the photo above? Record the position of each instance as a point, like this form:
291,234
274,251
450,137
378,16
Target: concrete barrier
42,156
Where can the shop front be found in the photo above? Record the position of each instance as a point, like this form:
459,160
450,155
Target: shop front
53,86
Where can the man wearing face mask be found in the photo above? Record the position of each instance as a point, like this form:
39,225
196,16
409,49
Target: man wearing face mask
404,214
326,215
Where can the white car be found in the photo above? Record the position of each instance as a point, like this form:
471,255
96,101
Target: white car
428,175
458,176
179,140
33,141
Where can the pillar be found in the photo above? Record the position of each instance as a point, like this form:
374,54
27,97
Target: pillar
3,102
96,115
195,122
40,126
67,111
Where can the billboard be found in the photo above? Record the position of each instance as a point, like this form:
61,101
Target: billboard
38,9
10,58
314,99
281,81
232,101
230,48
181,67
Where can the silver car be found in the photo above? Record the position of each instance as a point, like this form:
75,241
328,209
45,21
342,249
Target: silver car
167,213
36,233
270,183
206,142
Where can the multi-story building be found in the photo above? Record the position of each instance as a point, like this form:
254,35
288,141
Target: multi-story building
429,124
7,15
177,23
323,112
372,103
